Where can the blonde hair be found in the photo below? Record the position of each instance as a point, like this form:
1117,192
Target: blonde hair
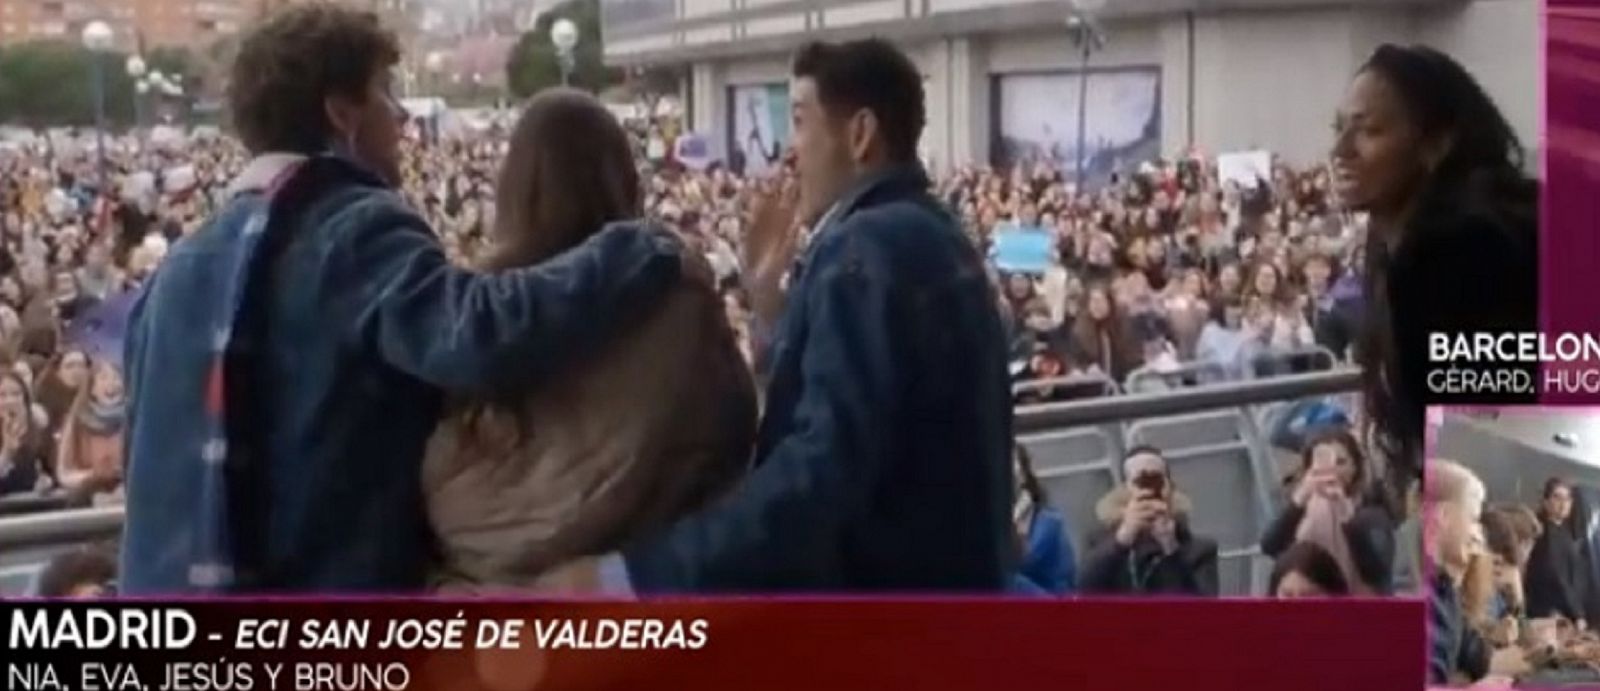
1450,482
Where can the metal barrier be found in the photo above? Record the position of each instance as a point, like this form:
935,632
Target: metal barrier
1077,447
1249,365
1098,384
1214,439
29,541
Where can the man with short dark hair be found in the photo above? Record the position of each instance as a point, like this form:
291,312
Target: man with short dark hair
884,457
287,363
1144,545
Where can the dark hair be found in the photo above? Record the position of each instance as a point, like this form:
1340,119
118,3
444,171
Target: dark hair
1571,525
288,65
1281,292
1220,307
80,567
9,373
1151,450
568,172
1312,561
1143,449
873,75
1552,484
1484,162
1341,436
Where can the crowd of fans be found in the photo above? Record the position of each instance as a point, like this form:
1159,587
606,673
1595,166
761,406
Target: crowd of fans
1167,265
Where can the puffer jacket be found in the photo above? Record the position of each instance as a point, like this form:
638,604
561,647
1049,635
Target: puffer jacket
654,426
1112,569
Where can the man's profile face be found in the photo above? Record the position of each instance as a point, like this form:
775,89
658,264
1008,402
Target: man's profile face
373,126
1455,522
821,157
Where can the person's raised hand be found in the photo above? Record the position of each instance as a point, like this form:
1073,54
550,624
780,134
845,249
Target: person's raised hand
1311,483
1138,517
771,240
1165,531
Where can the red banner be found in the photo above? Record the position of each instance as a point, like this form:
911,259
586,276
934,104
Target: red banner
734,645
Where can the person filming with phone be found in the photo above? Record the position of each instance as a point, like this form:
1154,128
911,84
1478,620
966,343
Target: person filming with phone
1145,545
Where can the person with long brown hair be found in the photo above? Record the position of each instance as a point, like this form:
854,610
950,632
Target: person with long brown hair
58,386
1334,504
651,426
23,463
1101,336
89,453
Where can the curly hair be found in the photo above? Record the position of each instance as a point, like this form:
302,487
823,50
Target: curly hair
288,65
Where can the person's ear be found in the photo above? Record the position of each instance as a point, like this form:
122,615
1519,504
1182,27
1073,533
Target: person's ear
862,130
343,114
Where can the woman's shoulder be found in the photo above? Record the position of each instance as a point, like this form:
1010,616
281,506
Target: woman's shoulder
1485,218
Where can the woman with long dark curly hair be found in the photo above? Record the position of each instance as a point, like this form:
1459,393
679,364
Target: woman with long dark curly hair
1452,229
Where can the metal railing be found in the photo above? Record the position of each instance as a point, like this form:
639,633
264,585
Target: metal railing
1231,394
1216,440
1109,423
63,527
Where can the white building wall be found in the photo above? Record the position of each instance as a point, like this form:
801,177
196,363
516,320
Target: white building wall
1264,79
1273,81
1499,41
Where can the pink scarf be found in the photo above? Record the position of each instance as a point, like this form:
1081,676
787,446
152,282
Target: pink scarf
1323,526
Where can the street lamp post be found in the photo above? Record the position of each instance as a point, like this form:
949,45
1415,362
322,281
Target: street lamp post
97,37
564,35
136,70
1090,37
433,65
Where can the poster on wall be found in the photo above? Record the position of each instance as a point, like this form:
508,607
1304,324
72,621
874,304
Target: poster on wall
758,129
1036,119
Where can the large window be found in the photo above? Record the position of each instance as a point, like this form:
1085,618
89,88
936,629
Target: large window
1036,119
758,126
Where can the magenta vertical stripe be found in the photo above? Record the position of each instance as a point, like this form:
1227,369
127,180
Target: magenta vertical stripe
1570,162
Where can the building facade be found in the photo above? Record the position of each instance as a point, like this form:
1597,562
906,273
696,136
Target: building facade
1003,77
136,23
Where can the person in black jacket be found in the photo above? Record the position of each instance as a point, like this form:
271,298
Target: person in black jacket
1144,545
1452,230
1557,576
1333,466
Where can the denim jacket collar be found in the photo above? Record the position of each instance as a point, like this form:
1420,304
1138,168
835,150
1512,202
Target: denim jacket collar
900,178
259,174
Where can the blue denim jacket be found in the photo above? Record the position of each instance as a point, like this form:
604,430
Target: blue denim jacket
365,325
884,458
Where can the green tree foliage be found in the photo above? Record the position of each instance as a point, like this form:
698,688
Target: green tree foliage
534,65
51,83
